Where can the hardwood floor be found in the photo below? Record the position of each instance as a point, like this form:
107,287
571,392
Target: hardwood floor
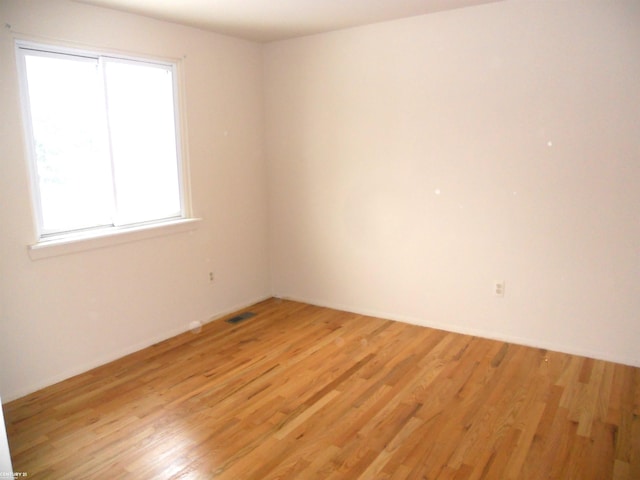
306,392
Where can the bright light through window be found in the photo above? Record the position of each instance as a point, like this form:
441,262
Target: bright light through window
143,142
72,159
104,140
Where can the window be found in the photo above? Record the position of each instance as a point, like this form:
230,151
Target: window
103,140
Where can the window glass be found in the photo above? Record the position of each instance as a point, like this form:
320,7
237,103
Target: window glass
104,140
70,145
143,141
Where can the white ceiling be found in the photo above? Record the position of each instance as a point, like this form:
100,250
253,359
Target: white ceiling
269,20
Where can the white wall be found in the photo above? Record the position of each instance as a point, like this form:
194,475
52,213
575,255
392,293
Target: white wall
60,316
523,115
362,127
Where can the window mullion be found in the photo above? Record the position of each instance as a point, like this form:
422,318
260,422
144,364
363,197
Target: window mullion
105,102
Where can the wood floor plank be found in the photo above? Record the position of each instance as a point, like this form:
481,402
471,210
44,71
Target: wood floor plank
305,392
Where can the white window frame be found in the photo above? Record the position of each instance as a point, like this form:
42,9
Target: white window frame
47,244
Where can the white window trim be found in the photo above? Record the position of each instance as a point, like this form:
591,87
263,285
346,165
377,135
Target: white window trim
107,237
72,242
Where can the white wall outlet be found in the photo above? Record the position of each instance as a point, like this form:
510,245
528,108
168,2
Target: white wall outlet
499,288
212,277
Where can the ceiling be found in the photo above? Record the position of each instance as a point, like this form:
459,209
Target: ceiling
270,20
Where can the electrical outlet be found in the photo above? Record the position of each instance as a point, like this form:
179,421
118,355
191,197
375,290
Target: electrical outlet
499,288
212,277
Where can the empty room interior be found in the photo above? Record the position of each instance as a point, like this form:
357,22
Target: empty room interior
405,241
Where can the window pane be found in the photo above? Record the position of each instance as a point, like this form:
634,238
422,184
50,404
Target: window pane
143,141
72,162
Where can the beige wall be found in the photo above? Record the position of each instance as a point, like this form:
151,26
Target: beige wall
407,166
62,315
523,115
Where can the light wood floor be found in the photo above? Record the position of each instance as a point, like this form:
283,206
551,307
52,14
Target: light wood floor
306,392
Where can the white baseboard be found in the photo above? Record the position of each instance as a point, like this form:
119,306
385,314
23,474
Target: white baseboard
477,332
111,356
235,308
347,308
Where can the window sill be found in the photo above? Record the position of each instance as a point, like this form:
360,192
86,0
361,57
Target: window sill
106,238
